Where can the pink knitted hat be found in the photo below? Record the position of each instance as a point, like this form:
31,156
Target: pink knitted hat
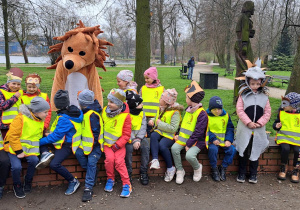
151,73
169,96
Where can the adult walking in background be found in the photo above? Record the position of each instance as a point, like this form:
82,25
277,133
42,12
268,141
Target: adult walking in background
191,65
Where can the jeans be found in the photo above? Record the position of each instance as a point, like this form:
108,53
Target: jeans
89,163
16,167
190,156
161,144
4,167
243,161
145,150
213,155
190,73
285,150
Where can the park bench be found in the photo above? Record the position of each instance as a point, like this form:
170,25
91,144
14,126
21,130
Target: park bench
229,72
183,72
282,79
111,63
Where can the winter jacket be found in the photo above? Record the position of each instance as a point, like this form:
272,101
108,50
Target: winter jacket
64,127
15,131
6,104
229,135
191,63
278,120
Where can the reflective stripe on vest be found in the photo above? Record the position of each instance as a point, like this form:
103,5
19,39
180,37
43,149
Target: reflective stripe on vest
32,132
26,99
151,98
1,142
290,130
166,117
113,127
136,123
87,139
217,125
188,126
10,114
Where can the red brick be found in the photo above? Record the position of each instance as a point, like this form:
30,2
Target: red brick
44,178
56,182
43,171
70,168
70,162
272,162
262,162
271,156
43,183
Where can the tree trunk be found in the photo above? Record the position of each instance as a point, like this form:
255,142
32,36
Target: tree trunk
24,53
221,59
142,57
161,33
294,85
5,20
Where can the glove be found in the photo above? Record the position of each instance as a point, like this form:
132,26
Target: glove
115,147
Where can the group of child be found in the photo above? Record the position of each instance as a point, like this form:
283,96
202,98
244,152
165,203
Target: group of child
129,120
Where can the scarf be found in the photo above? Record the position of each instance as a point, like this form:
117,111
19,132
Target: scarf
192,109
113,113
153,85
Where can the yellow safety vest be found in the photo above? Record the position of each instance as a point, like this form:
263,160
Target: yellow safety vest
26,99
10,114
87,138
218,125
290,130
76,138
188,126
1,142
136,123
113,127
32,132
151,98
166,117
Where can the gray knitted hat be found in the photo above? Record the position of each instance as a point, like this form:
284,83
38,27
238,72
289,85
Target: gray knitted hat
117,96
125,75
61,99
86,97
38,104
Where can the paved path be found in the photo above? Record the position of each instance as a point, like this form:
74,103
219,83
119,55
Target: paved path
228,84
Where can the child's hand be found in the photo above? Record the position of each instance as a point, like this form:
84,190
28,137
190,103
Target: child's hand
136,145
251,125
257,125
46,134
216,142
22,155
227,143
176,138
278,125
157,121
151,123
17,94
186,148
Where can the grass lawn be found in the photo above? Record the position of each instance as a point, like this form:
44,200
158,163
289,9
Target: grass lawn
169,77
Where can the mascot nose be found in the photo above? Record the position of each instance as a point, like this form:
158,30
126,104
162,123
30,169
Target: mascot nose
69,64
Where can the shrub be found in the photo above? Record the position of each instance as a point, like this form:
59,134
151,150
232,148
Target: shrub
281,63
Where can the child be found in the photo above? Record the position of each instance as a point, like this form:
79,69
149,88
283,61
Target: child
220,133
191,134
151,93
165,125
10,94
22,141
124,79
65,135
33,82
138,133
254,111
288,134
117,131
90,152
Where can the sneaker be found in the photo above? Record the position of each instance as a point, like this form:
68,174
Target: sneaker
87,195
73,186
45,160
197,174
222,172
144,179
18,190
282,172
154,164
27,186
127,189
241,178
180,176
253,179
1,192
295,175
109,187
215,174
169,175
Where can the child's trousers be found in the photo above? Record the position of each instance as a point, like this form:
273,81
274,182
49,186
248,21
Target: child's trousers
4,167
116,160
285,150
213,155
243,161
16,167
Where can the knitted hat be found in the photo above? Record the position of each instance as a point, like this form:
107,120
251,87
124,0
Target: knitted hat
151,73
86,97
194,92
117,96
33,79
38,104
14,75
133,99
291,99
125,75
215,102
169,96
61,99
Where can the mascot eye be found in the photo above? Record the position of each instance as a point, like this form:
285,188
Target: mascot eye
82,53
70,49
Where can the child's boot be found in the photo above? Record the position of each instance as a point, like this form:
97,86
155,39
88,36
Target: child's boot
295,175
87,195
19,191
197,174
180,176
282,172
222,171
215,174
144,179
27,185
127,189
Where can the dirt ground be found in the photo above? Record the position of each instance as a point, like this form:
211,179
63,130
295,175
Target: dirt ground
268,193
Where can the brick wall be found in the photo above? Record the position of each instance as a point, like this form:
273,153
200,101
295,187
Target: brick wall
268,163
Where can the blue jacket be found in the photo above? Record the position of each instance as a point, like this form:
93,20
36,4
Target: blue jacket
64,126
229,135
191,63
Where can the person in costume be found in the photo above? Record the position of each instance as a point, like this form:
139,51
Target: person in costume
287,136
124,81
220,134
166,124
254,111
117,131
137,140
10,94
191,134
33,82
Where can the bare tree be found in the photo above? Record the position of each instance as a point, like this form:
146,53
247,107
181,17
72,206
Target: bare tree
5,19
